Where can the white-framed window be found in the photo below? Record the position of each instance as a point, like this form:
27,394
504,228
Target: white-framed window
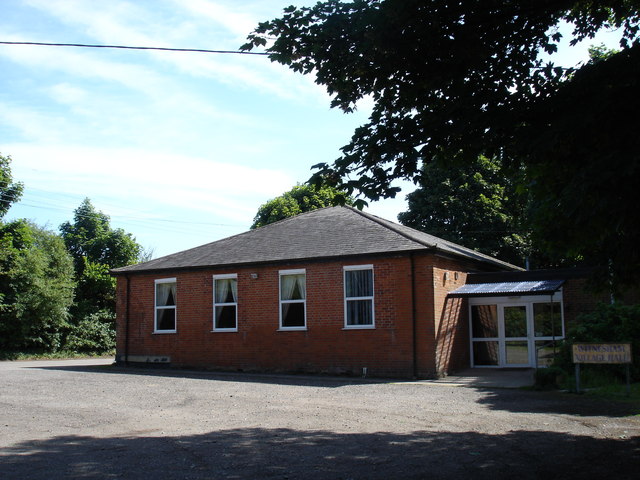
515,331
225,303
165,306
358,297
293,300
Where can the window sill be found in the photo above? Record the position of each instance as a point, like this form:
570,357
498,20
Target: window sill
224,330
163,332
292,329
360,327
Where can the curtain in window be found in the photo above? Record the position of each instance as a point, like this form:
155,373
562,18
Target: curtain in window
359,283
292,288
226,290
359,312
165,294
359,293
165,306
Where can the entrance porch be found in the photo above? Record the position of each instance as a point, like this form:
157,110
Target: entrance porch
514,324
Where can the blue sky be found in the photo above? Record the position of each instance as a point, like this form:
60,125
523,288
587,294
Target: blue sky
179,149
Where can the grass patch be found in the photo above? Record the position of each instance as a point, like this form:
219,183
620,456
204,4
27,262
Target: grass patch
61,355
615,392
604,383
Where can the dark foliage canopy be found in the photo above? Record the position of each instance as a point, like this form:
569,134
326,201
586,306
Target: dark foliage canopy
452,80
473,205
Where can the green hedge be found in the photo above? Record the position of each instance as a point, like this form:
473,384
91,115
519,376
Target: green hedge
608,323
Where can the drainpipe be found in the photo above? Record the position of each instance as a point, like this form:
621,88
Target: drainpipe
414,325
126,330
553,328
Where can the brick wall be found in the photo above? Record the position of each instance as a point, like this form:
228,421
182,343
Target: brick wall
580,297
258,344
441,324
452,322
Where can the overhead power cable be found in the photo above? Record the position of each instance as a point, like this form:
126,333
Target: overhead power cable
128,47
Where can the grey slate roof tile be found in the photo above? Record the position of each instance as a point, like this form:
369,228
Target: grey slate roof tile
323,233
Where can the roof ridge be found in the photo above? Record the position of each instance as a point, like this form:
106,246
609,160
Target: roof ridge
286,219
297,237
388,224
400,230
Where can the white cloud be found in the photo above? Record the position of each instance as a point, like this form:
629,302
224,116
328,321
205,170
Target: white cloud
144,180
238,22
177,137
68,94
123,23
32,124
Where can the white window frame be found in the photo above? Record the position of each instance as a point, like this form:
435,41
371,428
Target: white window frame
514,301
282,273
350,268
156,307
224,276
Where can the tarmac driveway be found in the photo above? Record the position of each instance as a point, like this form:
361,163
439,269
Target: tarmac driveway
80,420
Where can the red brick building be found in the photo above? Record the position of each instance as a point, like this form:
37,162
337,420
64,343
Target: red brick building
334,291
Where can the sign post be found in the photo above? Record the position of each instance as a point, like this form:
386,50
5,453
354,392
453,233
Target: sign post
602,353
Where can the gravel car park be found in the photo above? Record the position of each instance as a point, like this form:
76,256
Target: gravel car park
92,420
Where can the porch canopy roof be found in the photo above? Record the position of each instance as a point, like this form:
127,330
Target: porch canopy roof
498,289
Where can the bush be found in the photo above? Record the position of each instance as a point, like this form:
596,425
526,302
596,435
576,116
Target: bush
608,323
550,378
95,333
36,288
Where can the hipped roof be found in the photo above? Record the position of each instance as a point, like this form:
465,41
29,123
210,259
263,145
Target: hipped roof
319,234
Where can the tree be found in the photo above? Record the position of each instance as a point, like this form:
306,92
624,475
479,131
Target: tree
300,199
474,205
9,192
90,236
586,196
454,80
36,283
95,248
36,278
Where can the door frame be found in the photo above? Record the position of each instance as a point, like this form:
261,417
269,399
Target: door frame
501,302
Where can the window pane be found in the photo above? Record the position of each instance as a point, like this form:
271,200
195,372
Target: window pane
545,351
359,283
165,294
517,353
547,319
484,321
293,314
515,321
226,316
485,353
292,287
166,318
359,312
226,289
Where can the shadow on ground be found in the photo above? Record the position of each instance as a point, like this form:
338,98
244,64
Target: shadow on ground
257,453
565,403
223,376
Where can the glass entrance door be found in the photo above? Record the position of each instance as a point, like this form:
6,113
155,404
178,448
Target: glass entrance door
515,342
521,333
500,336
